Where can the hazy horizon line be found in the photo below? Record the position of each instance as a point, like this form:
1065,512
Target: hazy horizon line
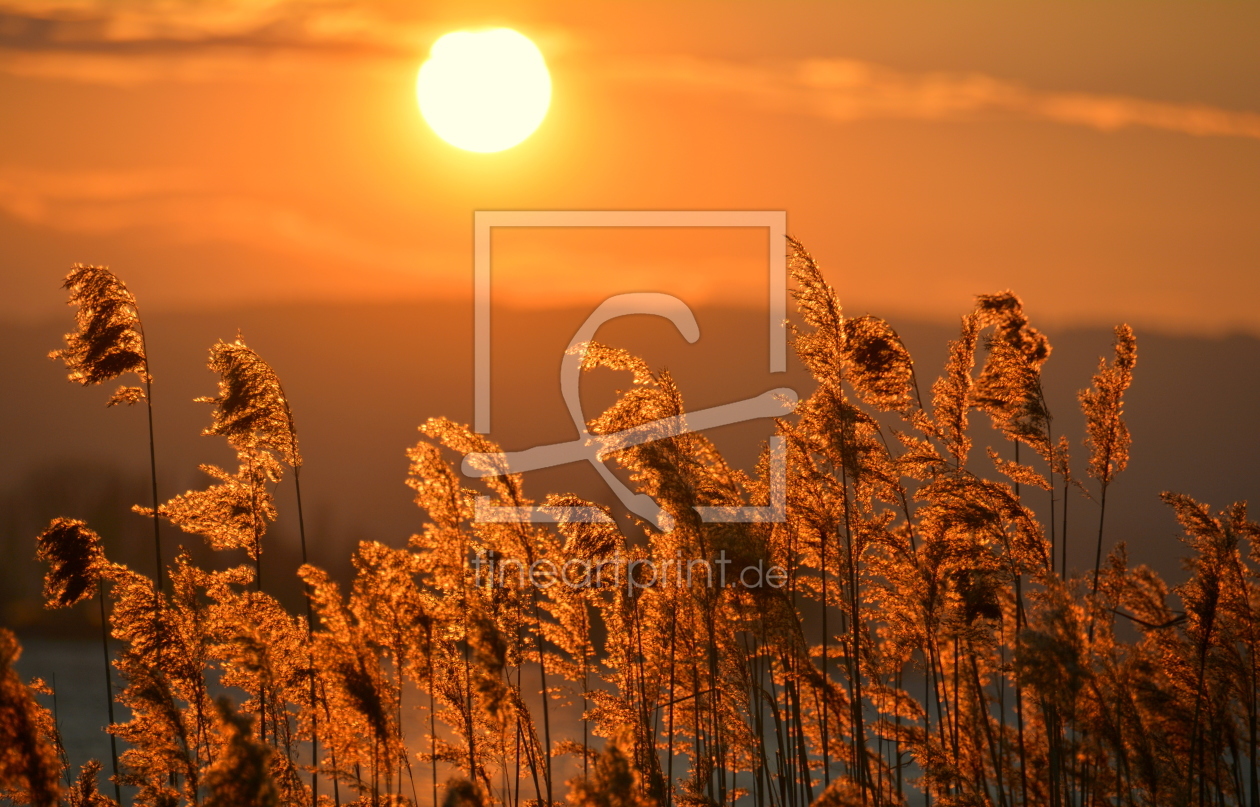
451,304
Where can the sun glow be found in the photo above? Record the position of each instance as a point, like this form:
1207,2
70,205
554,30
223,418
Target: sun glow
484,91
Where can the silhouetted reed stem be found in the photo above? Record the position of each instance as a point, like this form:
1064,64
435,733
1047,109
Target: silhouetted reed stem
715,727
781,758
546,707
586,653
433,718
1102,514
514,786
1252,728
153,488
1063,571
855,670
109,691
669,740
822,563
468,705
532,761
310,635
983,716
1196,734
806,780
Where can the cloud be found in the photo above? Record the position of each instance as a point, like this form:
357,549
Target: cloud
127,42
122,25
130,42
181,207
849,90
201,65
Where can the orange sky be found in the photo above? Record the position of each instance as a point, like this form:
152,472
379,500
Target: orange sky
1103,160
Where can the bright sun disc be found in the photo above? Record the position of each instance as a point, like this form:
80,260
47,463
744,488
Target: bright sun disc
484,90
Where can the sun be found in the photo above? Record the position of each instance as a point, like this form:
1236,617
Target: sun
484,90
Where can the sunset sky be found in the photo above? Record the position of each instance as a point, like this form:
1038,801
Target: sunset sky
1103,160
260,170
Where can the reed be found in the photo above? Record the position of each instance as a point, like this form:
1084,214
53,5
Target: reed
924,645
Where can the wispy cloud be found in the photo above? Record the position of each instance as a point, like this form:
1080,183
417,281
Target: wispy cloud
181,207
129,42
194,65
120,25
851,90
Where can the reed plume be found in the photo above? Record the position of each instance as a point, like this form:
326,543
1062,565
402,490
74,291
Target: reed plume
1103,405
108,343
77,562
110,340
463,793
1108,435
28,760
75,558
232,514
251,409
84,792
240,777
614,782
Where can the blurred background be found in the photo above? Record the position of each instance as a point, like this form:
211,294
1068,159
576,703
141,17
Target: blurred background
262,168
